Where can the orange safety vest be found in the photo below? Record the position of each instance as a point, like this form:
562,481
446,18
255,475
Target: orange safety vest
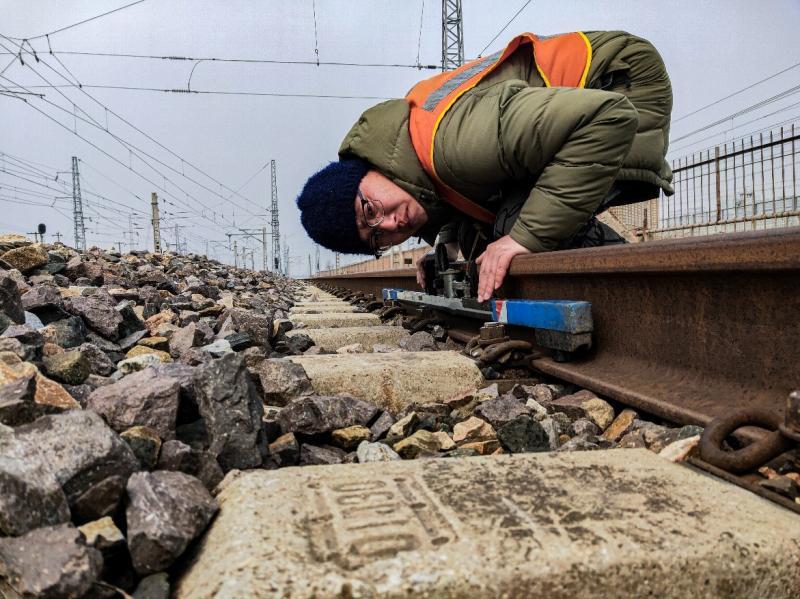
562,61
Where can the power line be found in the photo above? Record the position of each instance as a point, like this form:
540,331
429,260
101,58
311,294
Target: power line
736,93
784,94
173,57
129,167
734,128
99,149
146,135
511,20
211,92
125,143
80,22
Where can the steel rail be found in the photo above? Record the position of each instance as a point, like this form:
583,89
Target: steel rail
685,329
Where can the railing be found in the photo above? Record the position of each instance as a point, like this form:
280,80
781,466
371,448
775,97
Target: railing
747,184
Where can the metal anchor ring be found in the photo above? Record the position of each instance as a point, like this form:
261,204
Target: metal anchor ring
748,458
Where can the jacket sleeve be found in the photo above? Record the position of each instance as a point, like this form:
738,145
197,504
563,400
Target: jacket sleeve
571,142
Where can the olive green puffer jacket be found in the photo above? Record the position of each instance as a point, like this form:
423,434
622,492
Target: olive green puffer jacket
561,148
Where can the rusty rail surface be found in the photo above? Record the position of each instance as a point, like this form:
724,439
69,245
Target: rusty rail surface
686,329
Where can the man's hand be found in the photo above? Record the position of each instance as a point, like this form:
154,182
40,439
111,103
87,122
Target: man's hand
494,263
421,270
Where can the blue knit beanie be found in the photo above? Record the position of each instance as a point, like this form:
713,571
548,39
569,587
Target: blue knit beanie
327,206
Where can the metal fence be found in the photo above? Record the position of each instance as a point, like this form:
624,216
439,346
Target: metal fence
746,184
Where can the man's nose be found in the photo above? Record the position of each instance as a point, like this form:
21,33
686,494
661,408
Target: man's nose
389,223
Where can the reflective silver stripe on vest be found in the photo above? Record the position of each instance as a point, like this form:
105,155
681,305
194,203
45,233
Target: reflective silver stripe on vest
437,96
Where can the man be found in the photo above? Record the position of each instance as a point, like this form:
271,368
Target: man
512,154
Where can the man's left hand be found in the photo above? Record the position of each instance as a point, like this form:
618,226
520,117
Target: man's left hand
494,264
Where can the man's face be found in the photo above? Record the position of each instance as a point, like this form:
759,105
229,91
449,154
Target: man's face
398,213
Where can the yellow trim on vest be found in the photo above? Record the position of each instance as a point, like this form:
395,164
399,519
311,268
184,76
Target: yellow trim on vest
588,59
541,72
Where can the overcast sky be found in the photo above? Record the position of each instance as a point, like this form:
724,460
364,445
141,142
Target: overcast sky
711,49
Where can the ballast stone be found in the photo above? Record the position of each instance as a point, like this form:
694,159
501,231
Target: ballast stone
622,522
392,381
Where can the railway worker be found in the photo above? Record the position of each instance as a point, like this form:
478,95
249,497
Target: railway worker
512,154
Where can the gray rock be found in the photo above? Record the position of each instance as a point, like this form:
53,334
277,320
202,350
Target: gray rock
178,456
10,301
232,412
128,341
257,326
70,367
89,460
375,452
31,340
131,323
67,332
502,410
155,586
312,455
321,414
219,348
17,405
523,434
166,511
584,426
282,381
580,443
140,399
381,426
45,302
33,321
239,341
419,341
30,496
52,561
97,313
99,362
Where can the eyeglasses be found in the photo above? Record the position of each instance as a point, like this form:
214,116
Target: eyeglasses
373,213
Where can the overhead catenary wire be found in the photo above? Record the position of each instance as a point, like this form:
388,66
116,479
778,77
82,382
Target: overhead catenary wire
130,167
779,96
60,29
102,151
211,92
736,93
174,57
95,123
149,137
511,20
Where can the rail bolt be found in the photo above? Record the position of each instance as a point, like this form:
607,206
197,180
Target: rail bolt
492,330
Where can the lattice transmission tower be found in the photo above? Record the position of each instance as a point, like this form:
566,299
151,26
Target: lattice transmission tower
276,230
452,35
77,208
